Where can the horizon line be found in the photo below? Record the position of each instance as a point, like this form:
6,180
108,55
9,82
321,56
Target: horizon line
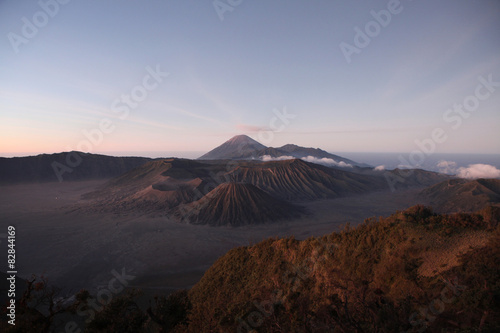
167,154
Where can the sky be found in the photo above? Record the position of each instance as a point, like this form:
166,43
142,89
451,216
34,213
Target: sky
184,75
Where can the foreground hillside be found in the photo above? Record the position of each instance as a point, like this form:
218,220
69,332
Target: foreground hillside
414,271
371,278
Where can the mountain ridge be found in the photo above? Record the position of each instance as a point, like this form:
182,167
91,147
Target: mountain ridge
244,147
462,195
70,166
298,180
160,186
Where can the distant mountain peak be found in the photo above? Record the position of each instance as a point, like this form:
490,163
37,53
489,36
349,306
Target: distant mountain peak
238,147
242,139
289,146
243,147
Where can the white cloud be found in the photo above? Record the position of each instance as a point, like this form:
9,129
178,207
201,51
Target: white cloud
405,166
379,168
474,171
447,167
326,161
267,158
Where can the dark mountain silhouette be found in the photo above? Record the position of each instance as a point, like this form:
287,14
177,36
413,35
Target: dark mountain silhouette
462,195
71,166
407,178
238,147
237,204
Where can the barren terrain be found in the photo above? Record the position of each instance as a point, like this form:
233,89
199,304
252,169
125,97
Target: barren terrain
77,249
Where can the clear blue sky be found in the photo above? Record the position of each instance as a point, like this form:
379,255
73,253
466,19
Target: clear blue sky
225,77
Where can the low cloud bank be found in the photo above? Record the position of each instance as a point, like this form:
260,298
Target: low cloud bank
379,168
326,161
473,171
267,158
447,167
323,161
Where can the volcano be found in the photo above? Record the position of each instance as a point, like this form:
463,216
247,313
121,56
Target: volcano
237,204
238,147
242,147
153,187
159,186
297,180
